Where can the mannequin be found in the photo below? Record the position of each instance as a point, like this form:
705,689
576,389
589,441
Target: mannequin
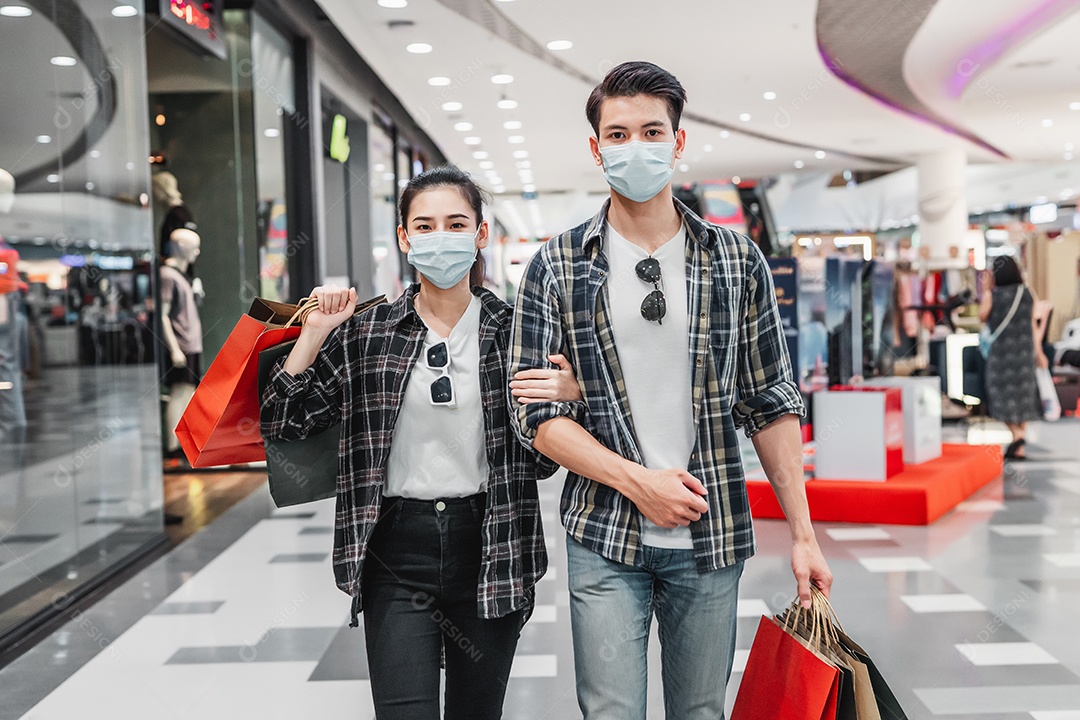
12,408
181,328
176,215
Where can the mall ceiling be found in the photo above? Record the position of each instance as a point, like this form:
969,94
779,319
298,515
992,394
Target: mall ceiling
773,87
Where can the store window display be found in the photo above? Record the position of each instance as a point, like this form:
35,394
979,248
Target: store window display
13,329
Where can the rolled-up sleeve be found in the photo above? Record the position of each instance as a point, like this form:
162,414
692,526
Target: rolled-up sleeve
297,406
766,385
536,333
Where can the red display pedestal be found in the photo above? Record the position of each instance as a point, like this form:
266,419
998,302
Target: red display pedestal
918,495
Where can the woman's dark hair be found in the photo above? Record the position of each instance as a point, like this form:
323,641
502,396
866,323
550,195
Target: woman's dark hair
637,78
448,176
1006,272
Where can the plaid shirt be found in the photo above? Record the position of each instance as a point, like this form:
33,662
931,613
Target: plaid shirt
740,369
359,380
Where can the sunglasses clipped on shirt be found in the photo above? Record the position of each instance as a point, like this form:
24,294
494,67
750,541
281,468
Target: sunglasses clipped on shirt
654,306
437,357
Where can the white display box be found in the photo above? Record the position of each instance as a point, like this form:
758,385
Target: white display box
922,415
859,434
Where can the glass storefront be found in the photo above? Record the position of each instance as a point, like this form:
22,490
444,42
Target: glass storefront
384,246
80,460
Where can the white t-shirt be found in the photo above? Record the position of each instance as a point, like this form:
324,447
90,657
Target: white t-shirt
655,361
439,451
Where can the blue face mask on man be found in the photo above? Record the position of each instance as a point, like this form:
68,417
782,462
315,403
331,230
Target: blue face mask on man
638,170
444,258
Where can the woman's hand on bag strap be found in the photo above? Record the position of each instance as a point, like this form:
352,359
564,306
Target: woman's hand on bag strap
334,306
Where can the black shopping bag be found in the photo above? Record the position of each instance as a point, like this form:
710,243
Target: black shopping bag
300,471
888,706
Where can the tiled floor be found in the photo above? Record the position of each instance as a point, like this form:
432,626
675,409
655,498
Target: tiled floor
972,617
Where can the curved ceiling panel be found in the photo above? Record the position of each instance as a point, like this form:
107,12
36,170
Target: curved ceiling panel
483,13
864,44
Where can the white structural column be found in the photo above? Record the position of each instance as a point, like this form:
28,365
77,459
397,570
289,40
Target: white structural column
943,211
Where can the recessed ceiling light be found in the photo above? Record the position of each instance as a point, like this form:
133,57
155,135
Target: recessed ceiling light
418,48
820,154
16,11
272,132
506,104
129,165
122,11
770,95
89,186
393,3
1070,146
44,139
486,164
1047,122
438,81
498,189
521,154
1074,106
480,155
515,139
707,148
512,124
95,153
1068,156
528,188
560,45
799,164
524,164
684,168
63,61
472,140
54,178
745,117
502,79
451,106
463,126
725,134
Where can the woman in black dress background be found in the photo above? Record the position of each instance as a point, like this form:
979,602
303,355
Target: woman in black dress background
1011,388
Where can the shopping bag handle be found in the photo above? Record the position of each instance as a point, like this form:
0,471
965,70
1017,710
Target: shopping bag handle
308,305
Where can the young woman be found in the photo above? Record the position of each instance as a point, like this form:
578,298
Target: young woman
438,535
1011,387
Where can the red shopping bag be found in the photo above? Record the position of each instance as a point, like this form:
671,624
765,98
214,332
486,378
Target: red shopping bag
221,423
785,680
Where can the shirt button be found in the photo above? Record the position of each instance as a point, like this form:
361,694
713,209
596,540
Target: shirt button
440,506
699,362
704,271
702,316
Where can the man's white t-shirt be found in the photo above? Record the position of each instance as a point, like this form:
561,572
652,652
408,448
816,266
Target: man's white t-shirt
656,364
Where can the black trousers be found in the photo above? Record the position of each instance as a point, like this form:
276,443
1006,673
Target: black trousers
420,584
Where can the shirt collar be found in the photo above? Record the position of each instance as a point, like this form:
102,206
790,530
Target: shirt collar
701,231
491,308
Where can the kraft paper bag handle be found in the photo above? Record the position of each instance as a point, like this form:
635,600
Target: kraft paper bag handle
308,305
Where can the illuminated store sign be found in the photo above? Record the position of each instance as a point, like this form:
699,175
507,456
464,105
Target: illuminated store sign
339,141
200,22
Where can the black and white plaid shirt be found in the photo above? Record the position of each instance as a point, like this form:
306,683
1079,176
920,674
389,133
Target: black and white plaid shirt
359,380
741,377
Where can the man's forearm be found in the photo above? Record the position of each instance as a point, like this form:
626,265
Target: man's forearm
779,447
572,447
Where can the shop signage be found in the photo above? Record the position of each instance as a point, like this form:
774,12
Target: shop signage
785,272
200,22
339,141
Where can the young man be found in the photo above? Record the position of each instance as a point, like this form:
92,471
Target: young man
672,325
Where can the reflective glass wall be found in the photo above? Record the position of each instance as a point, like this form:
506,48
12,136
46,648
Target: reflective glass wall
80,459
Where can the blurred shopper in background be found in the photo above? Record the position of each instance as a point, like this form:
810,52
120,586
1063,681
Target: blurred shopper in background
438,536
673,327
1011,389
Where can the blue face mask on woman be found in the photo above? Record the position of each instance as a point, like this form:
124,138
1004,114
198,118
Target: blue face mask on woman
444,258
638,170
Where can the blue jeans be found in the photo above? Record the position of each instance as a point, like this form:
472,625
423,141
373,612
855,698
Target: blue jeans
611,609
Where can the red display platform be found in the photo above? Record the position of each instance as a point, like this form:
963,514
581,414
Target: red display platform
918,495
